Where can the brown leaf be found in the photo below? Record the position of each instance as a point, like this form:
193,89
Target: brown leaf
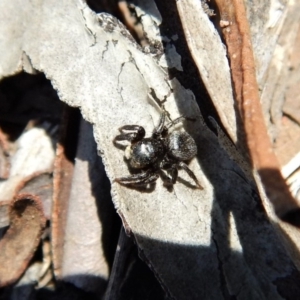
18,245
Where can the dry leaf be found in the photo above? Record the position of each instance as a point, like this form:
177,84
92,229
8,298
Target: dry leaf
19,243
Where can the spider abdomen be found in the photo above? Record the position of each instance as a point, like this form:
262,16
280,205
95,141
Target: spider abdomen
181,146
146,152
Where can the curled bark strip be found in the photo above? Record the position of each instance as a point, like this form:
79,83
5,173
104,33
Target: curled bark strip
237,36
62,181
18,245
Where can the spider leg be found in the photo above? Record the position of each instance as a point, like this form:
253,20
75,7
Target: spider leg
177,120
174,173
190,173
161,125
138,179
171,168
132,133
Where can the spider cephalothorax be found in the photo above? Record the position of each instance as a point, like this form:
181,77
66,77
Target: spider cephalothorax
164,150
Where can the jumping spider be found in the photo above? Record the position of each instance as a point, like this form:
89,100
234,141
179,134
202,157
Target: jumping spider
162,151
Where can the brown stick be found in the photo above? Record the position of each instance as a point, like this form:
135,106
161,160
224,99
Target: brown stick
237,37
63,174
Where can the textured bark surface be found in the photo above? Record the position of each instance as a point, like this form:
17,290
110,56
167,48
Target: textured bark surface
191,239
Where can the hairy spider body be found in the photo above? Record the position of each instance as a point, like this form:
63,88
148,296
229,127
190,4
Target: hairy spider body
163,151
145,153
181,146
